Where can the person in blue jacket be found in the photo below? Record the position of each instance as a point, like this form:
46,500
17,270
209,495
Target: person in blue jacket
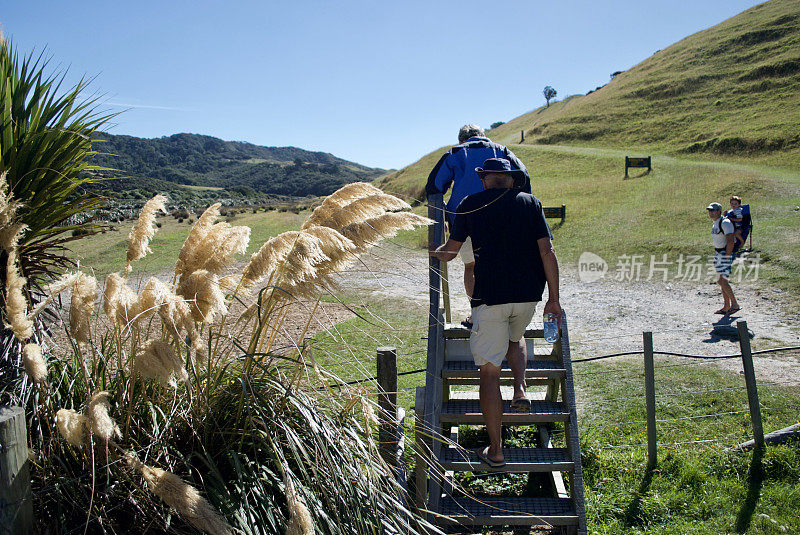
457,167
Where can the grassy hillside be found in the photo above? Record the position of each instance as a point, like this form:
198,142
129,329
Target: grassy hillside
658,213
731,89
719,111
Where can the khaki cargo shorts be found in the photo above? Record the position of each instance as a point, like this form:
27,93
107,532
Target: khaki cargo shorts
494,326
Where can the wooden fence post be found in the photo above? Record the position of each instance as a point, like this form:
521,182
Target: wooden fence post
387,400
421,450
650,398
750,381
16,508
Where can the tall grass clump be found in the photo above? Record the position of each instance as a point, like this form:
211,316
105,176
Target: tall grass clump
179,404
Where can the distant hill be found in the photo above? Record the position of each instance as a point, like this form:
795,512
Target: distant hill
172,163
733,90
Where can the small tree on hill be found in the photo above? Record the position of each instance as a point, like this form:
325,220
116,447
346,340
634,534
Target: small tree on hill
549,93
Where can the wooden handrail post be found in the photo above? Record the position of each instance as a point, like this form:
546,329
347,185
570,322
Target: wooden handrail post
650,398
750,381
421,451
387,400
16,508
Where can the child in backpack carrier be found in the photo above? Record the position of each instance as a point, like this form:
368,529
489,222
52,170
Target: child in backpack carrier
735,215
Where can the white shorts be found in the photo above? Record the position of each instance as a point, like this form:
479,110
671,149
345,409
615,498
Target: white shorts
494,326
467,256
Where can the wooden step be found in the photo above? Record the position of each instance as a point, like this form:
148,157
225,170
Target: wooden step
458,349
454,331
517,460
469,412
550,369
508,511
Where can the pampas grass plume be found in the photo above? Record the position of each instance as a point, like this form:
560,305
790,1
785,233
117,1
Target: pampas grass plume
372,230
158,360
300,521
202,291
34,363
182,497
16,304
196,236
339,198
173,310
266,259
212,249
144,229
8,208
121,303
340,250
98,418
305,255
72,426
82,304
358,210
52,291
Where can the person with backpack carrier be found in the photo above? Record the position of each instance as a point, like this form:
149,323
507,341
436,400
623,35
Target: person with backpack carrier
722,234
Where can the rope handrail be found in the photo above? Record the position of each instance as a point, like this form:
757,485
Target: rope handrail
667,353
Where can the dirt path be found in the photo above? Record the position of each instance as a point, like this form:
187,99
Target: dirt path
609,316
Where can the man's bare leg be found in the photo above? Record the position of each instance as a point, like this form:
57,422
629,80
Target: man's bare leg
492,409
727,294
517,359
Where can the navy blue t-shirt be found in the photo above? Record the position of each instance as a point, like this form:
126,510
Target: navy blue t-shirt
504,225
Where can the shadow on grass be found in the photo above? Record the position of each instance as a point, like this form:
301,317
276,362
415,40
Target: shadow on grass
640,175
755,478
633,513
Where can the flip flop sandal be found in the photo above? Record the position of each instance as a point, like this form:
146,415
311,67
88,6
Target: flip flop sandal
521,405
733,311
720,311
483,455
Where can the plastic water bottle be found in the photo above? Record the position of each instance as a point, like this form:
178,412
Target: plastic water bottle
550,327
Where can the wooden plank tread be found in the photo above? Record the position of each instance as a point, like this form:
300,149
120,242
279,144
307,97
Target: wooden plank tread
549,368
469,412
452,331
514,510
517,460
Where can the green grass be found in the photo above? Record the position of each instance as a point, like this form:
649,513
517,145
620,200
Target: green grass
105,253
383,322
697,487
658,213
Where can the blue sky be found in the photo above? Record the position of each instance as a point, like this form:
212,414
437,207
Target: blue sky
381,83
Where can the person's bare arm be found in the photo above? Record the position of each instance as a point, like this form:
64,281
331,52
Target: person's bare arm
730,243
550,263
448,251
